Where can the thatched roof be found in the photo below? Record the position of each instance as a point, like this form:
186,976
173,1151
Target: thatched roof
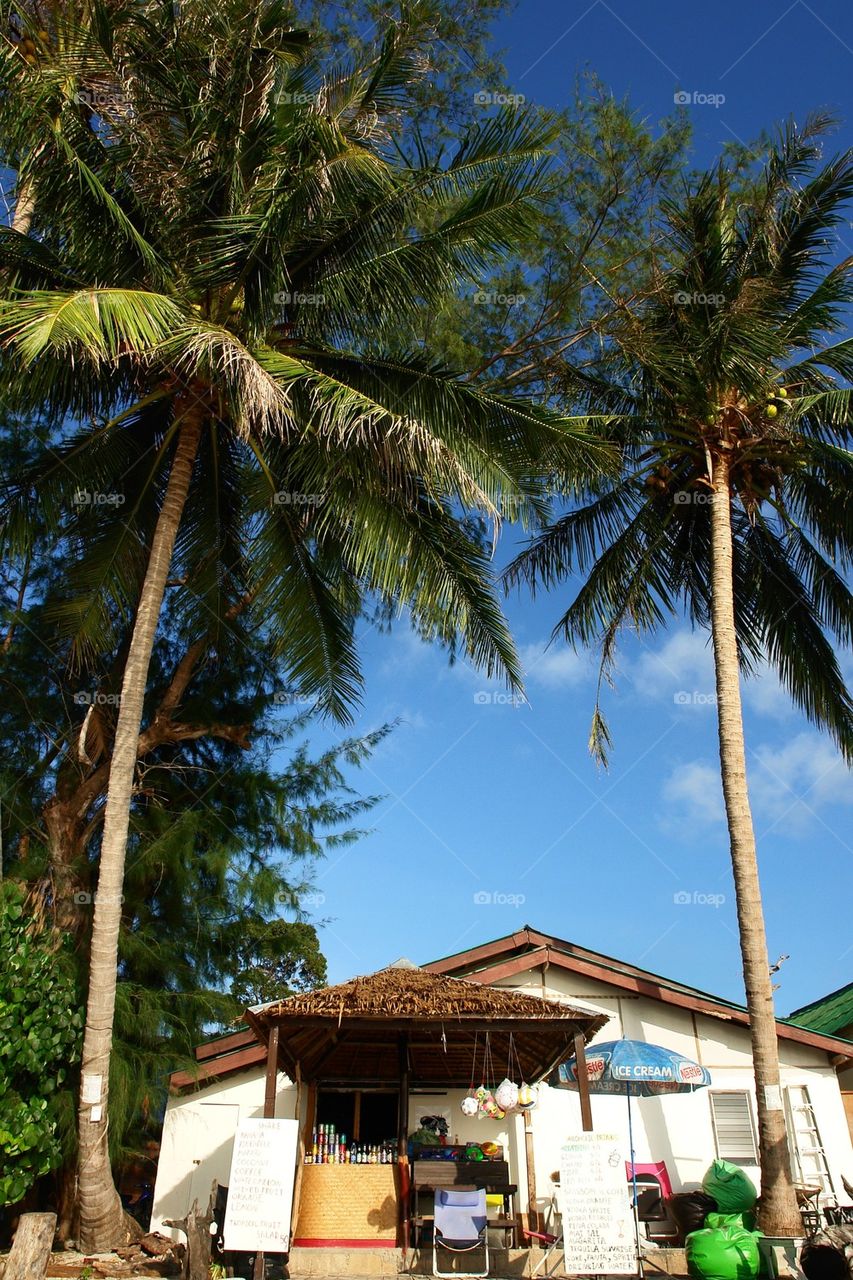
354,1030
404,991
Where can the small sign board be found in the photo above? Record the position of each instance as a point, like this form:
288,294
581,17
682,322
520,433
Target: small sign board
260,1186
595,1206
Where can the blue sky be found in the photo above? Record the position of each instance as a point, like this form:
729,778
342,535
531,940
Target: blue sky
501,801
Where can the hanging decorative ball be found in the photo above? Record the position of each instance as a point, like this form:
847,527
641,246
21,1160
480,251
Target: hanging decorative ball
470,1106
527,1096
506,1095
492,1110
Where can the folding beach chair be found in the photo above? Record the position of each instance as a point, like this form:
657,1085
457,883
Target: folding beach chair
459,1226
550,1239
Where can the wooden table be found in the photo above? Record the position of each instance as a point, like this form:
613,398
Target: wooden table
491,1176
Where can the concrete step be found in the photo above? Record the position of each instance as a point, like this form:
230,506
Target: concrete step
505,1264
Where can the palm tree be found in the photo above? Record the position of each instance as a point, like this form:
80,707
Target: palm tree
721,391
225,256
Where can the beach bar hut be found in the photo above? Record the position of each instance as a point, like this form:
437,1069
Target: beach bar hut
360,1050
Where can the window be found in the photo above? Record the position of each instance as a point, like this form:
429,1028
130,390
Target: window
734,1131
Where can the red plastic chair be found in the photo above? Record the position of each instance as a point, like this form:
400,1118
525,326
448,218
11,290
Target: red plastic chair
653,1190
657,1171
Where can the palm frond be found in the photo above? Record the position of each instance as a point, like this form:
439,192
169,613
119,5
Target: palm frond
100,325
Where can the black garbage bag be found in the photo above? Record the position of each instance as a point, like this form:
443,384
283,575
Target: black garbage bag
689,1210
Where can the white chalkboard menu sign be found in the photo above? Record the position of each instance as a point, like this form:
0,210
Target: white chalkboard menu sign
595,1206
260,1187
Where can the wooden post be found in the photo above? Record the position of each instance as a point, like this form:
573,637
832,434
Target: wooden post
583,1083
532,1208
272,1073
403,1145
269,1114
31,1248
304,1143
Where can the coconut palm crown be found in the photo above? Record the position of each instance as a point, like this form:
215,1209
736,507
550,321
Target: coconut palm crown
731,357
222,224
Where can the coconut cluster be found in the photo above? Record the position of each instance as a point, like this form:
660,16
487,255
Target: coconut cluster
28,48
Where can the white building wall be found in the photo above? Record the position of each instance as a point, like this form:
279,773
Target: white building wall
676,1129
199,1127
198,1138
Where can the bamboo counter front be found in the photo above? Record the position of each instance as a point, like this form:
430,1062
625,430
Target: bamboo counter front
348,1205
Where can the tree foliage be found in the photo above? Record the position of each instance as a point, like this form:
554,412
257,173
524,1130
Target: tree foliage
227,832
292,308
40,1032
273,959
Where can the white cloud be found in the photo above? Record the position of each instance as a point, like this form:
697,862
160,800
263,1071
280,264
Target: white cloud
764,695
682,670
558,667
402,651
692,795
791,783
684,663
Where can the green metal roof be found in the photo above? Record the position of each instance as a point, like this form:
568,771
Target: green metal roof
831,1014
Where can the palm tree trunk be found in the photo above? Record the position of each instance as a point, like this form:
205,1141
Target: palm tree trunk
778,1212
24,208
101,1214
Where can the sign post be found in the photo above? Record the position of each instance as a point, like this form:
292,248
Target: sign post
598,1225
260,1188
